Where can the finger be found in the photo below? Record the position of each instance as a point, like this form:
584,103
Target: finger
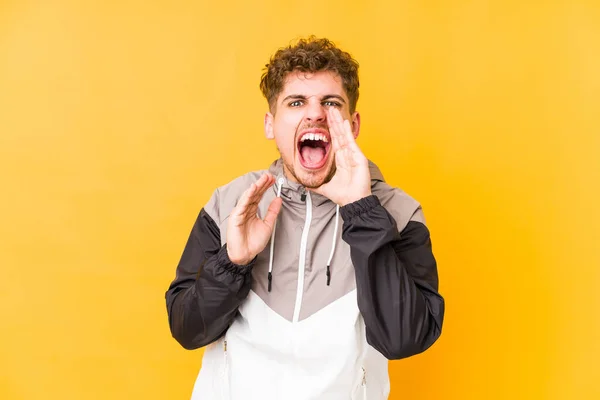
257,197
341,158
336,120
249,194
337,116
269,181
273,211
335,143
262,181
344,127
340,127
262,184
322,190
348,134
334,130
250,209
243,202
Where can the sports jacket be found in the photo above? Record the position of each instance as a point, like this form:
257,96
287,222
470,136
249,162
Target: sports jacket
336,293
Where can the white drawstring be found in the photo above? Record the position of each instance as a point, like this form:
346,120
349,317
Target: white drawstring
337,214
280,183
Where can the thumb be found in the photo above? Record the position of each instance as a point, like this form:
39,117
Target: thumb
323,190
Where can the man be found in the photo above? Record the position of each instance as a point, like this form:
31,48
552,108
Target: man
304,279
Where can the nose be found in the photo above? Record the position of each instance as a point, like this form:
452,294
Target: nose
316,112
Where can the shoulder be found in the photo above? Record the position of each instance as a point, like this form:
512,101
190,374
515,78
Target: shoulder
403,207
225,197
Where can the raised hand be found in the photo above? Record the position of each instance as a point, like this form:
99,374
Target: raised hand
352,179
247,234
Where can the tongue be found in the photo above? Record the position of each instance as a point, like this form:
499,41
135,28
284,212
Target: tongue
312,156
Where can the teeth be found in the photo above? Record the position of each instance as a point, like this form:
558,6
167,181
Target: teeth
314,136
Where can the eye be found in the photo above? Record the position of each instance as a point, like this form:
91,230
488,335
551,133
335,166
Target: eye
295,103
330,103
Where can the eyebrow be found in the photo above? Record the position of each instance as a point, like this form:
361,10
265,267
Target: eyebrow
303,97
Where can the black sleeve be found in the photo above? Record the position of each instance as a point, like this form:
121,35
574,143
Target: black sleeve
208,288
396,279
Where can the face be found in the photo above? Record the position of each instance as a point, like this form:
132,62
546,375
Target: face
299,125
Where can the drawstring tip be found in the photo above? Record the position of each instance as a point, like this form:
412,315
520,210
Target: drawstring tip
328,276
270,279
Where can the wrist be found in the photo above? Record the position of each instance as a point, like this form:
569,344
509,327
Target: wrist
224,263
239,260
355,198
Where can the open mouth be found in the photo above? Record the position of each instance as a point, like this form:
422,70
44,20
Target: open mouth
313,148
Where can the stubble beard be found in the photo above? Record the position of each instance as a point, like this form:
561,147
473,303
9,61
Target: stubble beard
312,180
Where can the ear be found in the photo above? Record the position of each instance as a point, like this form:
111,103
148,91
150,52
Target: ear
269,126
355,124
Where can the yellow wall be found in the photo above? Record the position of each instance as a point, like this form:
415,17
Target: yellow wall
118,119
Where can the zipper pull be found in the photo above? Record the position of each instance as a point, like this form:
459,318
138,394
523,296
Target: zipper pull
225,345
302,193
364,379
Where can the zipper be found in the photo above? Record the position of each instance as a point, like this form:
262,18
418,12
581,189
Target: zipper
302,262
364,383
225,358
225,386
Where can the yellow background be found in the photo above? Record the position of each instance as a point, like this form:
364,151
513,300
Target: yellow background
118,119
